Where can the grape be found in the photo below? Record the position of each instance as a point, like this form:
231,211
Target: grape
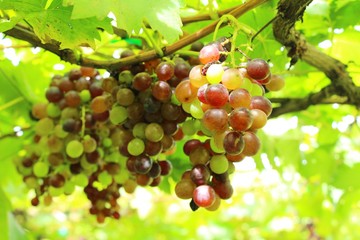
214,73
153,148
204,196
80,180
181,70
200,174
72,98
74,74
89,144
167,143
74,149
154,132
184,189
108,84
101,117
100,104
57,180
118,114
190,145
139,130
170,111
201,93
54,144
71,125
223,190
240,119
259,117
199,155
135,111
240,98
54,94
142,81
53,110
215,120
104,178
125,97
55,159
185,92
161,91
232,78
136,147
151,105
257,90
258,69
196,109
208,54
88,71
85,96
215,206
155,170
216,95
252,144
40,169
276,83
95,89
44,126
142,164
261,103
166,167
69,187
169,127
66,85
197,79
164,71
189,127
233,143
39,110
82,84
219,164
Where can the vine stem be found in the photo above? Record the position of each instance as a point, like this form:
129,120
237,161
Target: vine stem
24,33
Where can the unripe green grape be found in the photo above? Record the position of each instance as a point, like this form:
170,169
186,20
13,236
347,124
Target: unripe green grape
136,147
247,84
59,131
121,177
85,96
54,192
105,178
41,169
196,109
53,110
214,73
118,114
219,164
74,149
139,130
89,144
80,180
154,132
107,142
257,90
44,126
186,106
189,127
69,187
215,147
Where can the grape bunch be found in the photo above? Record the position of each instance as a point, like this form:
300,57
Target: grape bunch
228,107
101,134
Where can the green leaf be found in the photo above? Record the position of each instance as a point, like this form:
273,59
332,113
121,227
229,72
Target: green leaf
162,16
347,177
10,229
9,24
55,23
90,8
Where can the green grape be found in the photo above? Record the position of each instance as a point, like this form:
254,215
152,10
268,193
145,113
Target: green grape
69,187
44,126
126,77
215,147
139,130
257,90
53,110
196,110
122,176
105,178
136,147
85,95
107,142
219,164
41,169
214,73
89,144
118,114
247,84
85,164
189,127
59,131
186,106
80,180
54,192
74,149
174,100
154,132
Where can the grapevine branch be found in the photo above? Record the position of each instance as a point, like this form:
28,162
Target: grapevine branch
71,56
341,90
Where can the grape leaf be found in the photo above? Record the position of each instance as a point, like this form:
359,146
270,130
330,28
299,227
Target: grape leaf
90,8
55,23
162,16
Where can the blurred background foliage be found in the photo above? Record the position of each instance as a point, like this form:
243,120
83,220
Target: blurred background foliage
302,185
